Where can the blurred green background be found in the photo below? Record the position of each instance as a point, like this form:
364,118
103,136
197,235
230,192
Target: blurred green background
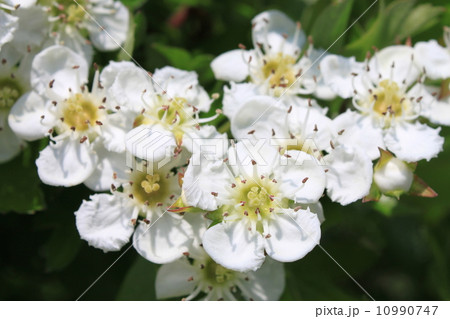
395,251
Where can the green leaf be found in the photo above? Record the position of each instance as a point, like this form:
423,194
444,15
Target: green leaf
384,31
420,19
126,53
20,185
134,4
139,283
62,247
331,23
182,59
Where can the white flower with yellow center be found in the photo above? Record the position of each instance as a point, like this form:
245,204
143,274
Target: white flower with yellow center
249,194
434,58
166,104
306,128
107,221
81,125
389,98
276,65
196,276
106,22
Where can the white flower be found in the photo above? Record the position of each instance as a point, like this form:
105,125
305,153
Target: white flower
106,22
80,123
276,63
166,105
250,198
389,99
433,58
196,273
393,176
306,128
106,221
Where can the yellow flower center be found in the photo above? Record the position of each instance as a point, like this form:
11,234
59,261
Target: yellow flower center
388,99
68,11
216,274
149,189
10,92
169,113
280,70
79,112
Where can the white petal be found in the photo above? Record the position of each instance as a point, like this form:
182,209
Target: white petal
412,142
301,177
126,84
115,130
164,240
270,27
349,174
109,163
267,283
311,124
235,96
57,63
292,235
8,25
172,280
260,151
206,142
33,28
437,111
434,58
404,67
25,117
10,144
231,66
234,247
360,131
201,179
66,163
114,27
180,83
260,114
337,73
104,221
152,143
70,37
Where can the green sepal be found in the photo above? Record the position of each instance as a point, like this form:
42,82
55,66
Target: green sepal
180,207
374,194
420,188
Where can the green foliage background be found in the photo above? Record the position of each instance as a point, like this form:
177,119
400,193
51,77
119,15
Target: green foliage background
396,251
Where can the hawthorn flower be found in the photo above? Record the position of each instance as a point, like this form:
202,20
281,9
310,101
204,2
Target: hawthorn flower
196,274
388,96
275,63
433,58
166,106
393,177
306,128
105,21
81,124
137,205
249,197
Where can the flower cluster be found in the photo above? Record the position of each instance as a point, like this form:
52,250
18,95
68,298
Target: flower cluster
220,215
